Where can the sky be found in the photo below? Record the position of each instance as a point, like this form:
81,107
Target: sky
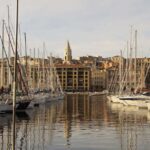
93,27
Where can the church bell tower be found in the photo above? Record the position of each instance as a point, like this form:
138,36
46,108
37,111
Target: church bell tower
68,54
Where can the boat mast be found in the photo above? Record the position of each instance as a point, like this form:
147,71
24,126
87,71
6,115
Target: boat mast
51,74
20,45
9,51
127,65
44,65
15,77
34,70
2,62
30,68
130,64
6,55
135,82
39,79
120,72
26,59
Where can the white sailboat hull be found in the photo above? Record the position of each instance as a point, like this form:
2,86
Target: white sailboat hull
44,98
137,103
116,99
5,107
38,99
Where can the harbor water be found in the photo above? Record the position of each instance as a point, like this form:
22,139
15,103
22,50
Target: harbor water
79,122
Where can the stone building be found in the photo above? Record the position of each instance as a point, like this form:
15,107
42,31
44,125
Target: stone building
74,77
68,54
134,74
98,79
87,73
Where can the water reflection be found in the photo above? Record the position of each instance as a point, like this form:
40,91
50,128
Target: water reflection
78,122
82,114
132,126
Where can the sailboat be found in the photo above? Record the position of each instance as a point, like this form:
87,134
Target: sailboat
55,85
52,90
130,83
21,100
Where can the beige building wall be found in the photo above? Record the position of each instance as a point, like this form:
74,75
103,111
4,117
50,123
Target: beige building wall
74,77
98,79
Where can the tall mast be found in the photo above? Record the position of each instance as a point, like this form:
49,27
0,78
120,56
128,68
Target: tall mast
34,69
20,45
26,58
39,79
2,63
9,51
135,82
30,71
15,78
43,65
130,64
120,72
51,74
127,65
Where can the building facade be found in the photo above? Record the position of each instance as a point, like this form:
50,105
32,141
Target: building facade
89,73
74,78
98,79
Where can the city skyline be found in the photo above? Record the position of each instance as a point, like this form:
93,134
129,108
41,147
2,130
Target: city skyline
92,27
